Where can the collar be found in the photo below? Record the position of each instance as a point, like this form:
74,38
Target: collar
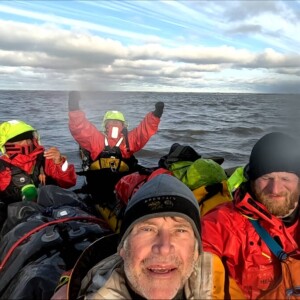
292,218
24,158
250,207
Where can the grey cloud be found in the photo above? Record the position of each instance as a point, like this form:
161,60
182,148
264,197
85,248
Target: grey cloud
242,10
51,57
289,71
280,87
245,29
268,61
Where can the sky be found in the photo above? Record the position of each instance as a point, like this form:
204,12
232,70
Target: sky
160,46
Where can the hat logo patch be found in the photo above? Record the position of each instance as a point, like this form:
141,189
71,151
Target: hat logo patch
159,203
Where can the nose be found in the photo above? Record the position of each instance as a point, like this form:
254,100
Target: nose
275,186
163,243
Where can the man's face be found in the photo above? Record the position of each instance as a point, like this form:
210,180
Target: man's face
19,147
159,256
278,191
113,128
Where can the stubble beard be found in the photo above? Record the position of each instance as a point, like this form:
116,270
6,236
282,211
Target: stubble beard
279,208
147,290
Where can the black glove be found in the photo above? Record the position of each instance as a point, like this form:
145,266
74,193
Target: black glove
159,109
74,98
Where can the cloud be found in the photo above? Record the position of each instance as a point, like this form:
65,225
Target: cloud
61,52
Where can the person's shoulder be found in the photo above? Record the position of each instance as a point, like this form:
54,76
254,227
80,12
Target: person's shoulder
213,259
225,215
208,279
224,209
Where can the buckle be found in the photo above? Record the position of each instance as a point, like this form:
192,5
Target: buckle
113,166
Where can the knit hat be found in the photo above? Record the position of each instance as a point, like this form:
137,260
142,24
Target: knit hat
274,152
162,196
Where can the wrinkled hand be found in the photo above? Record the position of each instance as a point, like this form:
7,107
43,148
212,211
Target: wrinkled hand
159,108
54,154
74,98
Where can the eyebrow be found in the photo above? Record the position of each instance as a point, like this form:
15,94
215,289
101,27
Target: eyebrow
179,223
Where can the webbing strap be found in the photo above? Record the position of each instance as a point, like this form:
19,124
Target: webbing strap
125,133
271,243
117,144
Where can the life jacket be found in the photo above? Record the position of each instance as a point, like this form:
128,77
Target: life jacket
20,178
110,158
107,169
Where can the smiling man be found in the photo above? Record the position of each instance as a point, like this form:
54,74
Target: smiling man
159,254
271,197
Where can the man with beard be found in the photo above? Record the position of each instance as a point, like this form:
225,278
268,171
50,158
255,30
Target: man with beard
160,251
270,196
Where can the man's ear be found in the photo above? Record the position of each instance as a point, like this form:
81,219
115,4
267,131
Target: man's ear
121,252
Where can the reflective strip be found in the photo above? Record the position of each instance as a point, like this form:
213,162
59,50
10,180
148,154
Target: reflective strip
117,144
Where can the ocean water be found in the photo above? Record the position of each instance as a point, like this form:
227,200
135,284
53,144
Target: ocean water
214,124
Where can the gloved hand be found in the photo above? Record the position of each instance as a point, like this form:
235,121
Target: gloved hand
74,98
159,108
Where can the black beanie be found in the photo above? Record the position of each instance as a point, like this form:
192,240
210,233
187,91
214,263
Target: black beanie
274,152
164,195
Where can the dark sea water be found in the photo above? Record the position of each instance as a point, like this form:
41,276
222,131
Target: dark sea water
224,125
